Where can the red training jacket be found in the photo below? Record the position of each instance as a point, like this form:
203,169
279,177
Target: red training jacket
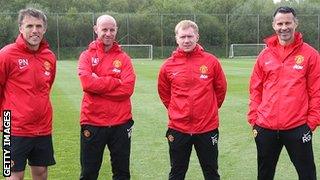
107,79
26,78
285,86
192,86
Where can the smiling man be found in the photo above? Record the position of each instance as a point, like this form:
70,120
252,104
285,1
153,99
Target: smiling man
27,72
284,105
107,78
192,86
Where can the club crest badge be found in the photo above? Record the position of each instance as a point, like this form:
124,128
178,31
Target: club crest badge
170,138
299,60
203,71
86,133
47,67
117,65
255,133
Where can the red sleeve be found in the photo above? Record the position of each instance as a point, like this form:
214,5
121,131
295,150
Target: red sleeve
255,93
164,87
219,84
54,71
4,73
1,97
313,88
126,87
90,84
4,68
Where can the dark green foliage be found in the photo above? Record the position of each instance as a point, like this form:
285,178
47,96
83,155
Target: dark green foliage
221,22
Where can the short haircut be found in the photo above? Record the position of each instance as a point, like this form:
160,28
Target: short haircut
285,10
106,17
34,13
184,24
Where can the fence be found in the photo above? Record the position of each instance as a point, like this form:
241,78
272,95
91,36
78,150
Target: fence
69,34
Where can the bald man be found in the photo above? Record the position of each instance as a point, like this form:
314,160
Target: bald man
107,78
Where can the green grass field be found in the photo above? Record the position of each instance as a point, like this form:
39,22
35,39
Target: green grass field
149,156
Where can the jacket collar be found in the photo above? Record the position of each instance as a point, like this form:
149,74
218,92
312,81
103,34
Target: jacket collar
273,40
99,46
197,51
22,44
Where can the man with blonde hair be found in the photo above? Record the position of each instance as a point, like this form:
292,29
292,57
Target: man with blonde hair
192,86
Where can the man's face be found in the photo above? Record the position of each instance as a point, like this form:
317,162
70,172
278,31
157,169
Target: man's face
32,30
187,39
284,25
106,31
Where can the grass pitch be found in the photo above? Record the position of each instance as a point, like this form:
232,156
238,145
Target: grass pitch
149,155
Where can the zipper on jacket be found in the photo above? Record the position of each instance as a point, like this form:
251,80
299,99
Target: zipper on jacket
37,64
190,66
285,58
280,95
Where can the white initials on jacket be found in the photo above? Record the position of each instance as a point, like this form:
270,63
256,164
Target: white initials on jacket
23,63
306,137
94,61
214,139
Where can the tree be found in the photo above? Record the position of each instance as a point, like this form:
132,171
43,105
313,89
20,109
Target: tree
8,30
168,6
217,6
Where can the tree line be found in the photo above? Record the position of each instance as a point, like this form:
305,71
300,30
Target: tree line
221,22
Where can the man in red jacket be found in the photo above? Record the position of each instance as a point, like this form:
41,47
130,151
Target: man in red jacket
192,86
284,105
27,71
107,78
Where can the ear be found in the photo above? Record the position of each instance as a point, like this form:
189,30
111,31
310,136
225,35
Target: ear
273,26
296,23
95,28
20,29
176,37
44,30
